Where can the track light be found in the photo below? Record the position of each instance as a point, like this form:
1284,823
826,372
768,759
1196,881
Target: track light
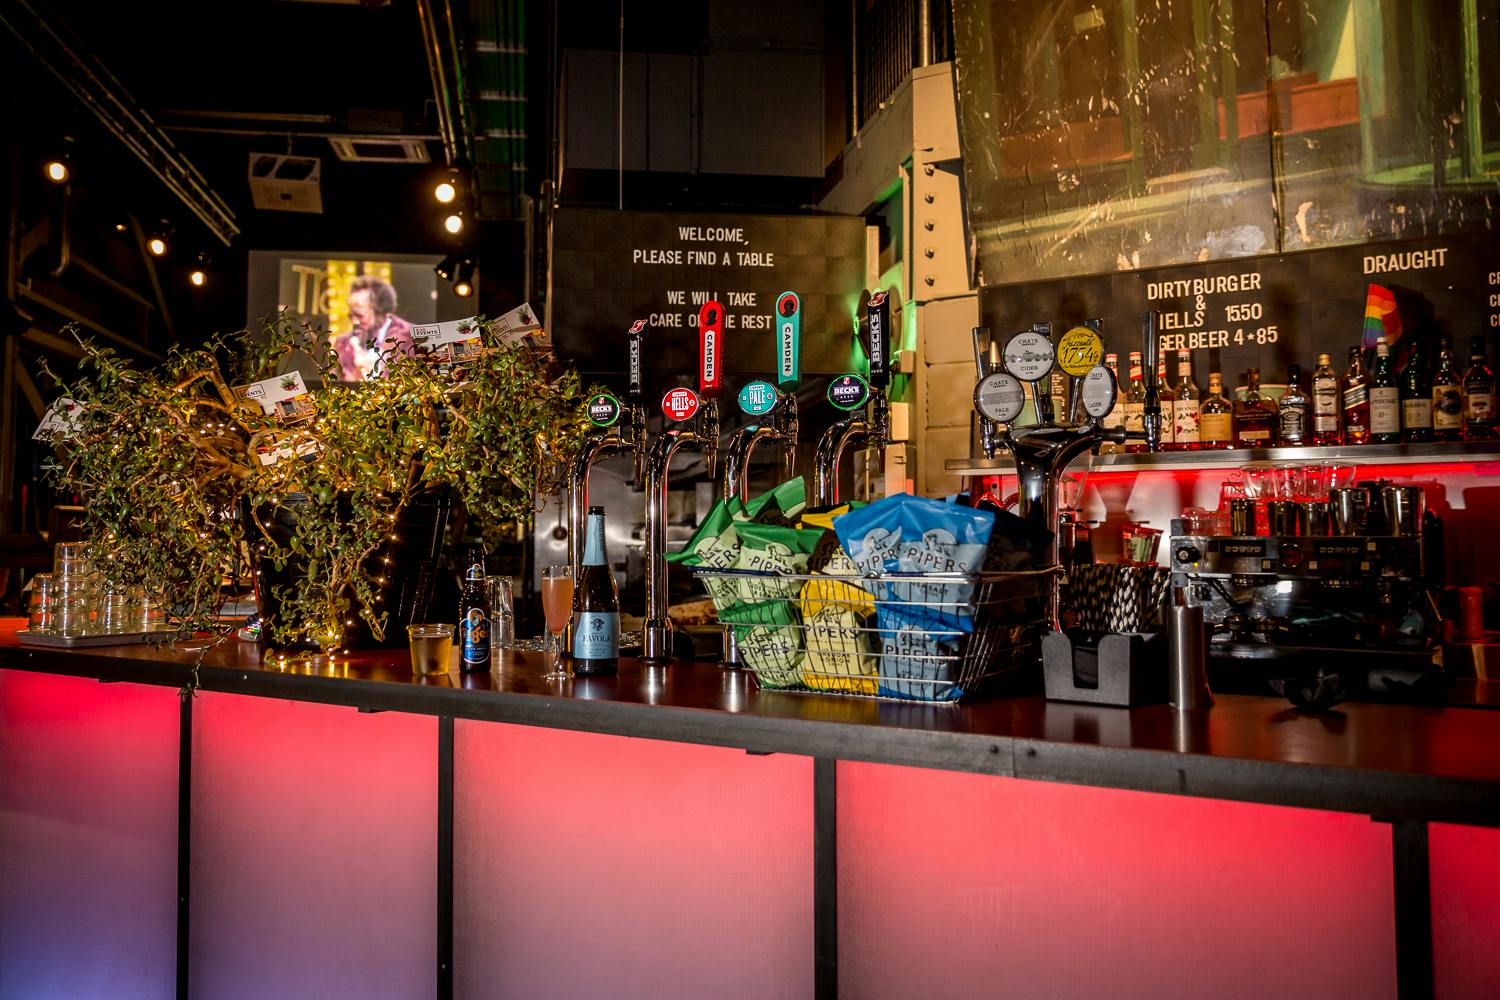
463,278
57,170
199,274
454,223
447,266
156,240
447,188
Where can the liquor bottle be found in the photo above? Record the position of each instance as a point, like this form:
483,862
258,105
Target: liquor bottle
1447,396
1216,416
1059,394
1416,399
1356,400
1135,405
596,606
1292,410
1479,395
1116,415
1185,406
474,617
1168,400
1325,404
1254,416
1385,398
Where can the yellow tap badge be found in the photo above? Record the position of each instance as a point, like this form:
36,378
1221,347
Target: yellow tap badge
1079,350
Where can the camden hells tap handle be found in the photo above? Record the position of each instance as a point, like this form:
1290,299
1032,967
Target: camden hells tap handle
711,350
788,341
635,389
878,337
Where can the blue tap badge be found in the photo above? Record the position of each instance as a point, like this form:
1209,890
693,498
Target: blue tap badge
758,398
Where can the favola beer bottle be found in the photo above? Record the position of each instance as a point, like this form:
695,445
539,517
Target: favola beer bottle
596,606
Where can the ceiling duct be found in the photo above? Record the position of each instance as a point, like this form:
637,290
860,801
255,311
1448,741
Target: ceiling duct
378,149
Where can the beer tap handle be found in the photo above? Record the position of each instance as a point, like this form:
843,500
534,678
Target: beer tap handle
982,365
710,350
877,338
788,342
1152,408
635,399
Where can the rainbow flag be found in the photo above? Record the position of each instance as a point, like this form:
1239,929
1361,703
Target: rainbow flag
1382,318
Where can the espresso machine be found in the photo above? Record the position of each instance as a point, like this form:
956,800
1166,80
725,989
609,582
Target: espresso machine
1320,616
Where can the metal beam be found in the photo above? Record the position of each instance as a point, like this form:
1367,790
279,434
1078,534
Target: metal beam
83,321
97,89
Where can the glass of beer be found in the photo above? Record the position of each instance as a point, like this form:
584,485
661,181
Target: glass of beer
557,607
431,648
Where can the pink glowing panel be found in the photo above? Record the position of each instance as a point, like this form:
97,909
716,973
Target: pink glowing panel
1465,864
965,885
590,865
314,853
88,838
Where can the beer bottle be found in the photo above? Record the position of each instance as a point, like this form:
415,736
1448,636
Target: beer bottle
596,606
474,617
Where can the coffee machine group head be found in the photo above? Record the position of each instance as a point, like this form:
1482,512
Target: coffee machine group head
852,392
691,422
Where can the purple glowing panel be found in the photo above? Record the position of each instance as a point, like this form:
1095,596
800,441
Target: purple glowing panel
967,885
314,853
590,865
1465,864
88,838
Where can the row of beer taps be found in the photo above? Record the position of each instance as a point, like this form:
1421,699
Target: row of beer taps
691,423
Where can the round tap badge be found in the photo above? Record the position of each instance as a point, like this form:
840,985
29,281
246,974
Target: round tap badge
848,392
1079,350
758,398
1098,391
1029,356
604,410
999,398
679,403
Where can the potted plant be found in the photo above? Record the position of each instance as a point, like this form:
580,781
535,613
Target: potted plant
183,471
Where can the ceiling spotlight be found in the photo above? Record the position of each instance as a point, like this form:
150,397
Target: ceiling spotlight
197,277
447,266
157,244
121,226
447,188
454,223
463,278
57,170
199,274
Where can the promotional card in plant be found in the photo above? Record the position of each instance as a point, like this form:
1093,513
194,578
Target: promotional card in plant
282,396
515,324
445,343
270,454
60,420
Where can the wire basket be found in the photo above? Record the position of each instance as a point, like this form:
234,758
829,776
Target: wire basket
912,636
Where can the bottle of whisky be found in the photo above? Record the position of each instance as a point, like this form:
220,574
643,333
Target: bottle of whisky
1292,410
1135,405
1254,416
1216,416
1479,395
1416,398
1186,404
1385,398
1325,403
1168,400
1447,396
1356,399
596,606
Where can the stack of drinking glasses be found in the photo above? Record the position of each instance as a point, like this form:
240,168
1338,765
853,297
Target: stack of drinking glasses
1265,499
75,582
75,600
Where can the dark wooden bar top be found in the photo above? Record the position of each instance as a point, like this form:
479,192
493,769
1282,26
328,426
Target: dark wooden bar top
1388,761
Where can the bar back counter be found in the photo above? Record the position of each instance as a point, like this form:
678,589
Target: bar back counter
343,829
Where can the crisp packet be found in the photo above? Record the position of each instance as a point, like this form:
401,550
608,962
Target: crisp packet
914,663
773,652
715,545
790,498
837,618
767,549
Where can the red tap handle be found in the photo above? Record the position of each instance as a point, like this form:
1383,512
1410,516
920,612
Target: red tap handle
711,349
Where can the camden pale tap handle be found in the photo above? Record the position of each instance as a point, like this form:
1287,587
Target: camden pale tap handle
788,341
711,350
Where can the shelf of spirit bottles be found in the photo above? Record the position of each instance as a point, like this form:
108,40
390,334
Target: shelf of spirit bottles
1466,453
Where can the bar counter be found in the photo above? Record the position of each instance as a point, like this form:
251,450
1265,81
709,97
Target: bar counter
792,822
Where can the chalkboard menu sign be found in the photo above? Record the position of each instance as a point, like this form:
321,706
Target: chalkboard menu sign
610,268
1270,311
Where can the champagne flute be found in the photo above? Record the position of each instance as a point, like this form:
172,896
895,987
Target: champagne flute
557,607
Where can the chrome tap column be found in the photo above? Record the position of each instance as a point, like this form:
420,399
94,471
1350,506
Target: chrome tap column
622,429
851,392
678,405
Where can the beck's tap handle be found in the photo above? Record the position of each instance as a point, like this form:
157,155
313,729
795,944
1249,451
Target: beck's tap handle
877,338
635,388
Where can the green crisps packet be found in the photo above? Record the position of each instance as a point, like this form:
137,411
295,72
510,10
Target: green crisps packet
715,543
789,498
774,653
766,553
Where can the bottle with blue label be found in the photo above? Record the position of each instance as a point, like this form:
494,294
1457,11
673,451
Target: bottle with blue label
596,606
474,618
